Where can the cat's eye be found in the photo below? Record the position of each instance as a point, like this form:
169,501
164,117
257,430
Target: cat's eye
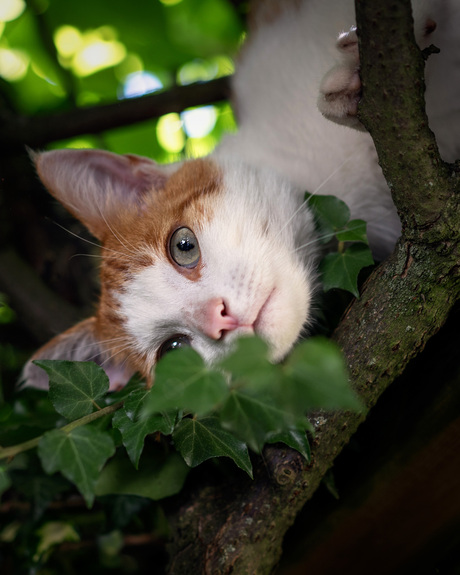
172,344
184,248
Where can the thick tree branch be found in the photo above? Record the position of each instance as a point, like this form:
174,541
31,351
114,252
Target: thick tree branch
17,131
409,298
393,111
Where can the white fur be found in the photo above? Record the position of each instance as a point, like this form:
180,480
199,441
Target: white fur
276,89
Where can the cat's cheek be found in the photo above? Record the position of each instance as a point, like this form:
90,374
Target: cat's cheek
283,316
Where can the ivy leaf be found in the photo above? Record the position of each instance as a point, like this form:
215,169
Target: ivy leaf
135,401
53,533
134,432
353,231
201,439
75,386
294,437
79,455
330,213
317,378
5,481
341,269
249,363
159,475
254,418
183,381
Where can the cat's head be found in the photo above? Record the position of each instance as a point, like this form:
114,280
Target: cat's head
196,254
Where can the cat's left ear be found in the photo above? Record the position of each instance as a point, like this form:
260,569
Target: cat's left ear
95,185
79,343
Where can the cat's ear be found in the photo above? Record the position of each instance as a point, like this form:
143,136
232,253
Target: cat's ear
95,185
79,343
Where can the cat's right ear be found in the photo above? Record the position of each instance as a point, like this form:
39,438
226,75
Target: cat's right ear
79,343
95,185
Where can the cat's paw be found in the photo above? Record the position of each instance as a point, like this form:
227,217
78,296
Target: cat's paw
340,90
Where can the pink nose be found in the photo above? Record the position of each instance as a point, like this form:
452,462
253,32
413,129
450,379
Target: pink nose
217,320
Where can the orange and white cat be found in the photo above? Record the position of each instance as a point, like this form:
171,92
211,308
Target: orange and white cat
201,252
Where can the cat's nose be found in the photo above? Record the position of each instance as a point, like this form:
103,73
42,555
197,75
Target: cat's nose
217,320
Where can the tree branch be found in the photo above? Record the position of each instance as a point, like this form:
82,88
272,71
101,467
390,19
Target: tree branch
36,131
394,113
38,307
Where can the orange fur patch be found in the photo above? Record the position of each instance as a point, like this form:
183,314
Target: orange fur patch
138,238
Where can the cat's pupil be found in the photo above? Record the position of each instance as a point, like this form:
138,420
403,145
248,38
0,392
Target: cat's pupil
185,245
172,344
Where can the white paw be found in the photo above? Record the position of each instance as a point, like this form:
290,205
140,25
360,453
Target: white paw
340,90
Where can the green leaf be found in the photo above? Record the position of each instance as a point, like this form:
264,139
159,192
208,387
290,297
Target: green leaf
341,270
159,475
330,213
293,437
79,455
183,381
53,533
353,231
75,386
5,481
254,418
249,364
134,403
198,440
317,378
134,432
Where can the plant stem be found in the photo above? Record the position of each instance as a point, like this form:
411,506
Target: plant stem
13,450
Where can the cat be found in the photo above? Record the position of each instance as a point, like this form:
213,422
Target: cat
201,252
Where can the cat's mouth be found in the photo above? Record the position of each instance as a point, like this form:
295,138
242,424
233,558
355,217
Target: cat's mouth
258,325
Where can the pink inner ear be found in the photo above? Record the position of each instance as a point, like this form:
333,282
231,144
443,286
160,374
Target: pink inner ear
95,185
146,174
133,174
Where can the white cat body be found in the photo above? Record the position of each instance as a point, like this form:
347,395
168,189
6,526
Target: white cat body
277,84
205,251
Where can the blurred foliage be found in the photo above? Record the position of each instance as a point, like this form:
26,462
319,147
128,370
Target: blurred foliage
55,55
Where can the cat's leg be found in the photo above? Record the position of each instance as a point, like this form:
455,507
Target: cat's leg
340,90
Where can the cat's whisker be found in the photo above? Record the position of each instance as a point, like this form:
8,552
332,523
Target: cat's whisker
103,342
134,251
331,175
86,256
315,241
111,356
91,243
323,183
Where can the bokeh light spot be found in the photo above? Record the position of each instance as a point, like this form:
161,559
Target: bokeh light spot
199,122
140,83
170,134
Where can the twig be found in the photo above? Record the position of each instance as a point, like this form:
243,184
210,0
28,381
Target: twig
36,131
12,451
